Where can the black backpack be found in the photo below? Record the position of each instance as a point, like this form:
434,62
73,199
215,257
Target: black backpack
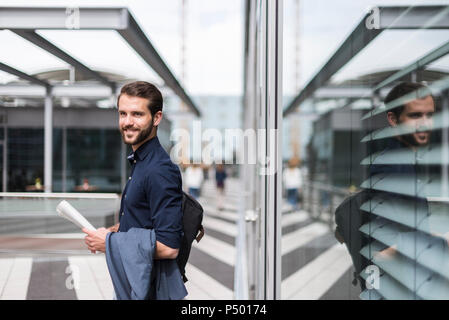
192,218
349,219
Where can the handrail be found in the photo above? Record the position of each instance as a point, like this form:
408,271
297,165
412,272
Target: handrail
59,195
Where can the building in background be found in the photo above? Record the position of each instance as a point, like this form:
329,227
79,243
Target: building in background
87,143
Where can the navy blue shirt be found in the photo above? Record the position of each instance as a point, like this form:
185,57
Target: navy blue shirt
152,196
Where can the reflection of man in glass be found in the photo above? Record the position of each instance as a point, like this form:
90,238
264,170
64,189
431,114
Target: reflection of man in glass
399,215
415,114
413,121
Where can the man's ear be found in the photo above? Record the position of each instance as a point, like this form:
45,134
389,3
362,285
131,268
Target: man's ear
392,119
157,118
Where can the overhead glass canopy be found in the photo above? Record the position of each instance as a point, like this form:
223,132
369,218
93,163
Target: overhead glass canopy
56,39
370,54
102,44
391,50
6,77
25,56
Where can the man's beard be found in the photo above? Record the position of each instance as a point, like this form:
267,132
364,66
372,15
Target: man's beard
412,140
142,136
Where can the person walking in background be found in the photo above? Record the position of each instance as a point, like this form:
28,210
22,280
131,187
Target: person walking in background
220,177
194,179
292,182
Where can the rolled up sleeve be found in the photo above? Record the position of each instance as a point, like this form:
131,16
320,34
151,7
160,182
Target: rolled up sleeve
165,196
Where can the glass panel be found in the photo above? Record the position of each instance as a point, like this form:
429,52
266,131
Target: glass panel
18,52
99,57
25,159
6,77
365,171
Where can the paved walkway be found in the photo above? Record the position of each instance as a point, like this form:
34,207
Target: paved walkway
58,266
314,265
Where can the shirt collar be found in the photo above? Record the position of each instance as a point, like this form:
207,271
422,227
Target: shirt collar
144,150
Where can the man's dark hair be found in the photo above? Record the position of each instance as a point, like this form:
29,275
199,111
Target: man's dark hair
143,89
403,89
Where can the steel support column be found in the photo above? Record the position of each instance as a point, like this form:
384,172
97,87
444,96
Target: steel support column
64,159
5,156
48,142
274,107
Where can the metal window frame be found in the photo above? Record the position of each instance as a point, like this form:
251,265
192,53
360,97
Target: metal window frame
263,97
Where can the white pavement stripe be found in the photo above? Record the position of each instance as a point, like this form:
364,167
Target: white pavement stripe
92,278
53,236
229,191
232,197
16,283
213,212
203,287
318,276
212,203
292,218
100,270
298,238
5,270
227,228
218,249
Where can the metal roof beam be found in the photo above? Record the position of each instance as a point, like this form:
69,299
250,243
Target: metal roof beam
23,75
137,39
432,56
356,42
22,18
87,91
414,17
51,48
419,17
337,92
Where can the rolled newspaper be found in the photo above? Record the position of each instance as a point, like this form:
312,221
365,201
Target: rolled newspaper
66,210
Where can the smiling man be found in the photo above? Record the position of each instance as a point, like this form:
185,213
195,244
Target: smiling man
414,115
153,194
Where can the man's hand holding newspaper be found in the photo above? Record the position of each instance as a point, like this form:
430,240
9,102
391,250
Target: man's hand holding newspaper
95,238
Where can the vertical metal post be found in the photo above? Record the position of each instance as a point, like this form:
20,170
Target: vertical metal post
263,96
414,76
5,156
273,210
246,277
445,146
260,94
48,141
64,159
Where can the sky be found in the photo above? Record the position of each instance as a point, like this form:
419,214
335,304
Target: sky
214,37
